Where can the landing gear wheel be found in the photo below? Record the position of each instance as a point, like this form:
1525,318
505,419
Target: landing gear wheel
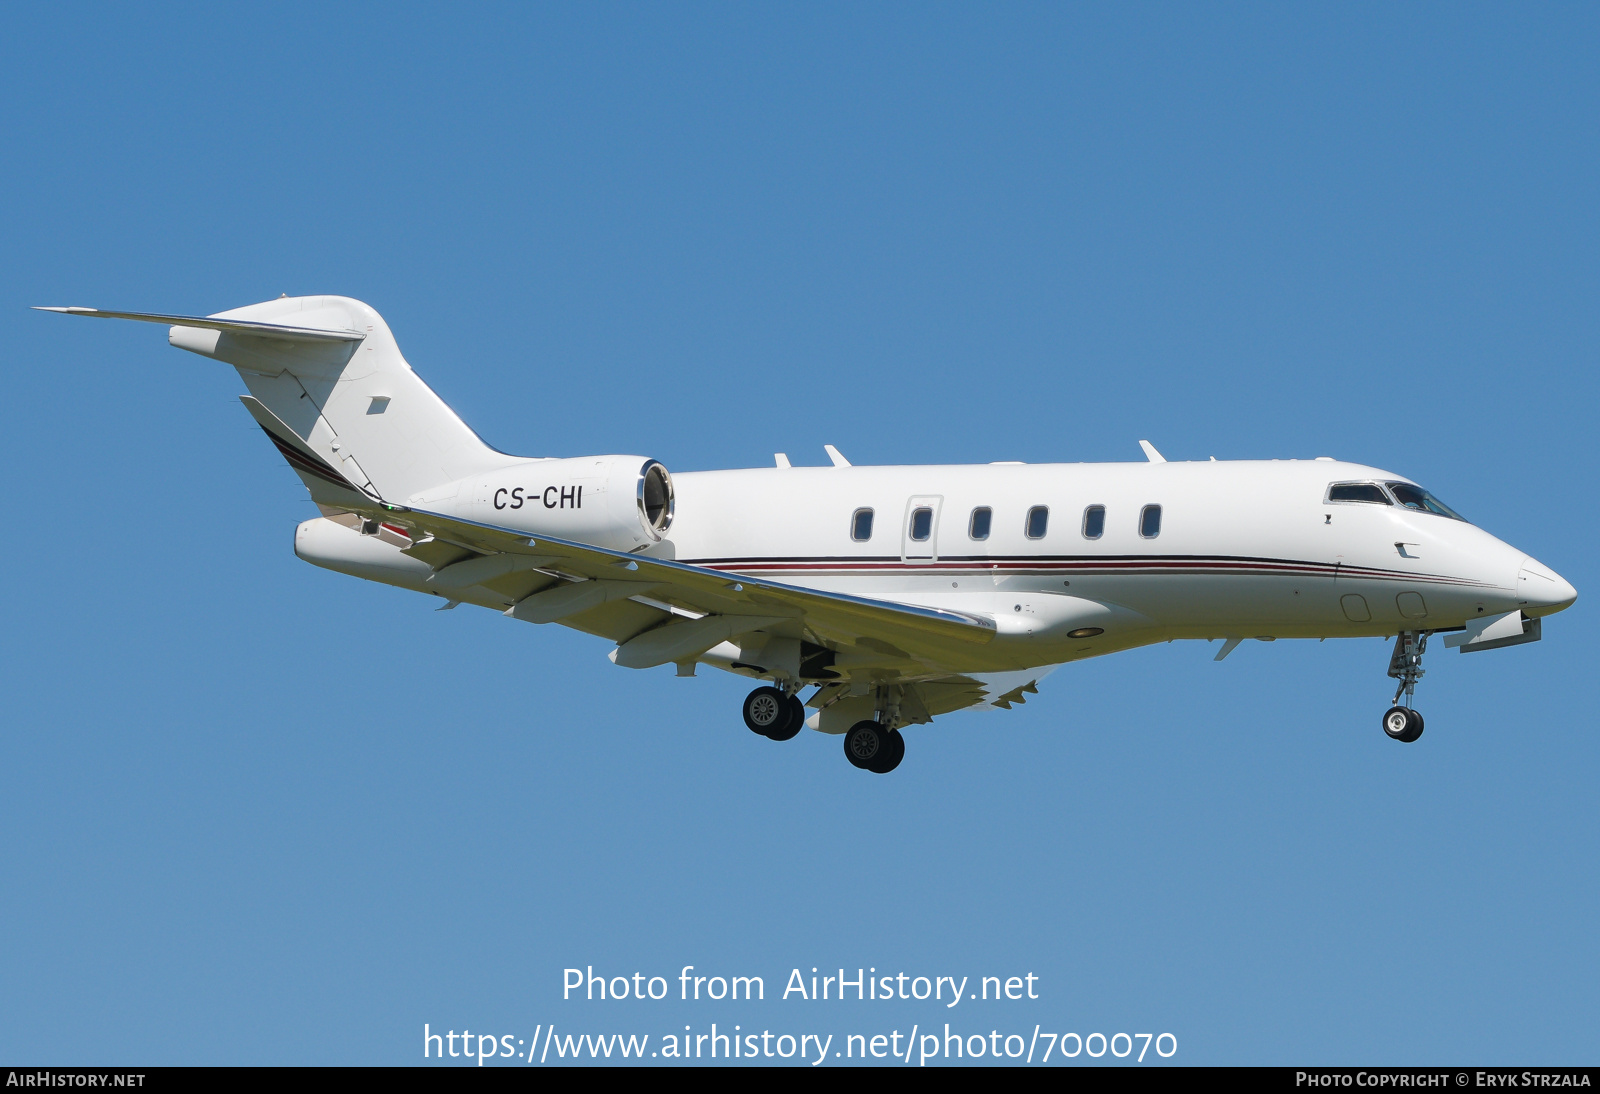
892,754
862,743
871,747
1402,724
767,710
796,722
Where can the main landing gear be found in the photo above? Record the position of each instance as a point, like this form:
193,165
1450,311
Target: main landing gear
1402,723
870,745
773,713
873,747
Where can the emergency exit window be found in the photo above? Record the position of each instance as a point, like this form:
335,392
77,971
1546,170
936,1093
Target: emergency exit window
921,524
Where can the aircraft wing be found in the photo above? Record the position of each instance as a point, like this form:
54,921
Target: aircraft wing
660,611
703,607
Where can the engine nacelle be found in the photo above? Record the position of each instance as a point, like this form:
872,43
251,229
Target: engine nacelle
619,502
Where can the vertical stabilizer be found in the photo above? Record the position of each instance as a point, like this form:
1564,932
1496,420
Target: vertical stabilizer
355,403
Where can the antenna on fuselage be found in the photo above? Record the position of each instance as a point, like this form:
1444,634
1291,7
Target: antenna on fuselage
1151,454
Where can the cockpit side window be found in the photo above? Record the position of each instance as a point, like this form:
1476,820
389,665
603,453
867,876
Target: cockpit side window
1415,497
1358,491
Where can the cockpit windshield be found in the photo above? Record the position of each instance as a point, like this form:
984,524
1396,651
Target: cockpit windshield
1358,491
1415,497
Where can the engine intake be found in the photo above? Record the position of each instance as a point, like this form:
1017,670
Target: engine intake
655,498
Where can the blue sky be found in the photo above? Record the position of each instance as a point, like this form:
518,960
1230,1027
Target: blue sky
257,812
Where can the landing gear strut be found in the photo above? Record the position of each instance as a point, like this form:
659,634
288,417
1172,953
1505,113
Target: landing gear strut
1402,723
773,713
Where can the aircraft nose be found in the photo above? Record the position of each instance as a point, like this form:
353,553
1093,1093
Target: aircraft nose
1541,591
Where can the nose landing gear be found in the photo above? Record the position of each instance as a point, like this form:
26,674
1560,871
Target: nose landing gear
1402,723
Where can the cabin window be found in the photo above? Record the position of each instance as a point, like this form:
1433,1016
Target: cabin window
1415,497
979,526
1358,491
1094,522
1038,521
861,525
1150,521
921,524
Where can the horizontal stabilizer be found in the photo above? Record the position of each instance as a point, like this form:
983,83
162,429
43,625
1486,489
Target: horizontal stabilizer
233,326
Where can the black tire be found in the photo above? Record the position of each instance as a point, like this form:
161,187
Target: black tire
1402,724
767,709
796,722
863,742
889,757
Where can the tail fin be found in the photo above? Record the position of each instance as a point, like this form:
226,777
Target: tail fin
328,370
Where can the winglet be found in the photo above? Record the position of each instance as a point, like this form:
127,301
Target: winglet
1151,454
834,455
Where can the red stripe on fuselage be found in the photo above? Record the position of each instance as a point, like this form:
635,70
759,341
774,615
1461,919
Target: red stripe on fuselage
1152,564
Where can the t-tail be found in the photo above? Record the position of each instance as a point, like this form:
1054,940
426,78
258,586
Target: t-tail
328,384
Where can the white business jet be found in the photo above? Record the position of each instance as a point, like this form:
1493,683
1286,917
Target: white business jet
895,593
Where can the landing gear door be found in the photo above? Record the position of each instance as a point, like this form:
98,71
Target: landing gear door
919,530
